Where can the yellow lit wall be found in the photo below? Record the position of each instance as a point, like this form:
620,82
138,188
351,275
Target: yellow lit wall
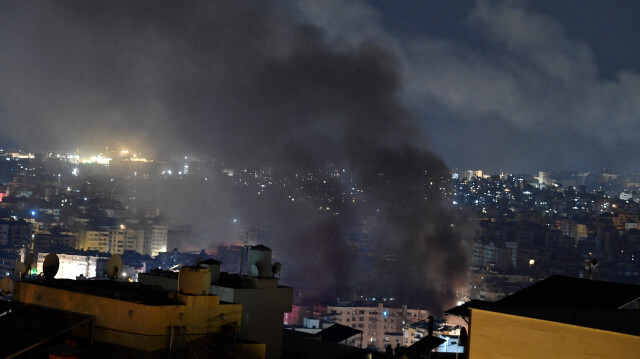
121,240
94,241
581,231
498,335
136,325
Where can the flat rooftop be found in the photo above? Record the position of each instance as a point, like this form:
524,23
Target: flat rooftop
227,280
576,301
126,291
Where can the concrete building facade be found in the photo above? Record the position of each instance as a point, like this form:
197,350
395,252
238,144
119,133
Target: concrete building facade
263,301
123,239
73,266
380,325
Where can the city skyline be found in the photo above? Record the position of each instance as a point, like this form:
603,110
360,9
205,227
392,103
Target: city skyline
394,154
326,223
362,95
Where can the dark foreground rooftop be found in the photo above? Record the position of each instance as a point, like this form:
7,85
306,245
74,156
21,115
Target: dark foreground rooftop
25,326
576,301
564,291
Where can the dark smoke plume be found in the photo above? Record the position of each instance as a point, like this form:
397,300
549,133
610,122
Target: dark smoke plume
244,83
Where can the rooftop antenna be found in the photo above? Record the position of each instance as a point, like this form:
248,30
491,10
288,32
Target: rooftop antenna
51,265
114,267
21,269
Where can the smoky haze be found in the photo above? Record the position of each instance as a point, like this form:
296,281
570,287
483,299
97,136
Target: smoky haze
246,84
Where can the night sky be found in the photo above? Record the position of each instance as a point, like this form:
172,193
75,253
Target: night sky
502,86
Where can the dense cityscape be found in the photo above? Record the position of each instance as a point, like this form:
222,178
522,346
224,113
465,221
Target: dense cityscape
520,228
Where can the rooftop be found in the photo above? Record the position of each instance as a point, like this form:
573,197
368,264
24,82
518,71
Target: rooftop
126,291
564,291
227,280
25,326
576,301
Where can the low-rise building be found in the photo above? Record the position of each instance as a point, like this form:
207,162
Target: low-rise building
128,319
264,302
380,325
91,240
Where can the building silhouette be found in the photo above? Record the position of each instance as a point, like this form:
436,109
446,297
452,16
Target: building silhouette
558,317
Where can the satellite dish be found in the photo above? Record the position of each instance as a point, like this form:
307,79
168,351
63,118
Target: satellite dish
254,270
114,266
28,261
21,269
50,266
276,268
6,284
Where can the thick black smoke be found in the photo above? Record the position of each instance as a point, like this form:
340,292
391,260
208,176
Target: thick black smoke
246,84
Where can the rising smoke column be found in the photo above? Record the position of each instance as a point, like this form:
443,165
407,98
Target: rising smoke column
247,84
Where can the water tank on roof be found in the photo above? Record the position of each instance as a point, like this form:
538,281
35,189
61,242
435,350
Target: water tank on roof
194,280
214,267
260,262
